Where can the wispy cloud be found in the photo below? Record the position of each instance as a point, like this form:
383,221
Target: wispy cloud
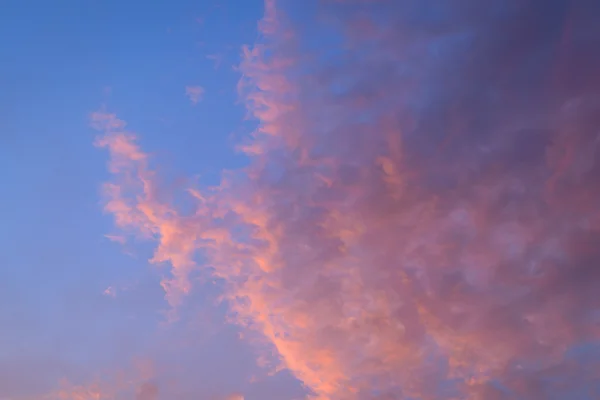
420,217
95,391
135,380
217,59
116,238
135,201
194,93
110,291
147,391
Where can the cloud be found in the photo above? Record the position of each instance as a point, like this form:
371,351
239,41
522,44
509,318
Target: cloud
94,391
132,382
420,217
116,238
147,391
194,93
217,59
110,291
135,201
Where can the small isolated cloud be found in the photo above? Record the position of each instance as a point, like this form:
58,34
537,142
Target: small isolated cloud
216,58
116,238
110,292
235,396
194,93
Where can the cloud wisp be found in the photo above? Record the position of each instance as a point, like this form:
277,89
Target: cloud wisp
194,93
420,215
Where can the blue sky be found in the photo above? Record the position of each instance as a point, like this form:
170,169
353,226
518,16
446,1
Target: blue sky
61,61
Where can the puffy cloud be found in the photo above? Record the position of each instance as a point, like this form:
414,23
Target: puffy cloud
420,218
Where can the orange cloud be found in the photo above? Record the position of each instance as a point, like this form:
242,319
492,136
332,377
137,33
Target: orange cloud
94,391
135,380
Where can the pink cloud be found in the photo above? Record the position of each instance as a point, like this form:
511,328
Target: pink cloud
116,238
194,93
93,391
133,381
420,217
147,391
110,291
134,200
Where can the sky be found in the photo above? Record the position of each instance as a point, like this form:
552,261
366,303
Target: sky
285,200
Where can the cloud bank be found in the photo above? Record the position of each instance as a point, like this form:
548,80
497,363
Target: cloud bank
419,219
